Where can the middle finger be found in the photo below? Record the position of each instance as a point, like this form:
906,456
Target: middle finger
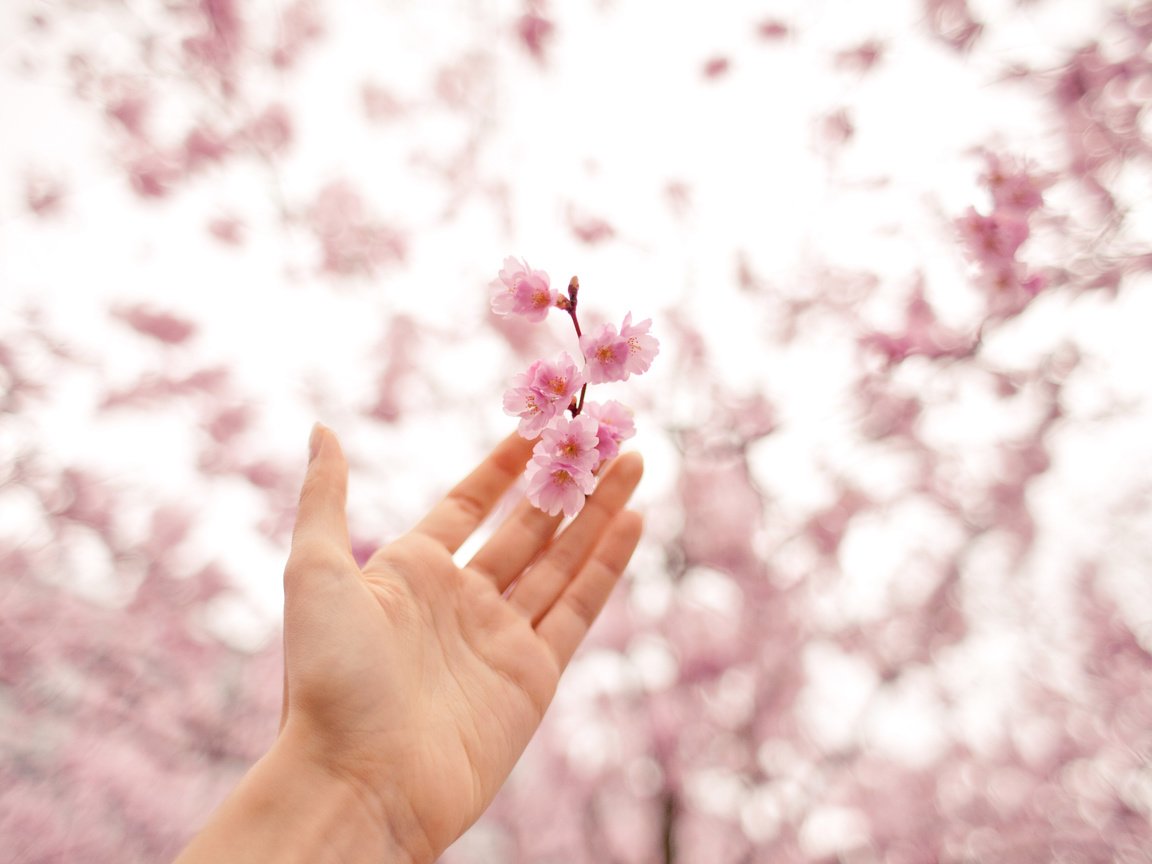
515,544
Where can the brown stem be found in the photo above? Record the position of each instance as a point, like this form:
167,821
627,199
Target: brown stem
573,290
579,406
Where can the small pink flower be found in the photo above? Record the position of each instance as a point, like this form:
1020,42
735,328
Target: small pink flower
554,485
992,240
614,425
543,391
520,290
642,347
572,442
558,380
534,412
1012,279
1013,187
606,354
613,356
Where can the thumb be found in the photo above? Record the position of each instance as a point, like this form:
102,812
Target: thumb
320,537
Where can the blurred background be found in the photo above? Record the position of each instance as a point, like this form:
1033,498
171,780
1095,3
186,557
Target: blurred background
893,603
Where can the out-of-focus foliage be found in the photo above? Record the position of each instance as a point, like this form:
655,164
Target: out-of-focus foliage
892,604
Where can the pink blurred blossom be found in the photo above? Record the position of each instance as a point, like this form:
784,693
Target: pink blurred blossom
204,146
678,196
862,57
836,129
921,334
771,30
162,326
220,41
590,229
399,351
722,510
1015,188
229,422
952,22
380,103
153,388
154,174
130,111
271,130
300,24
536,30
992,240
716,67
351,240
43,195
227,229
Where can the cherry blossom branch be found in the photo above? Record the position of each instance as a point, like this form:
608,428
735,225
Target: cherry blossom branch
563,469
568,304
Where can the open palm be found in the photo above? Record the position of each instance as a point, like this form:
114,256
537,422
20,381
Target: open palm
421,682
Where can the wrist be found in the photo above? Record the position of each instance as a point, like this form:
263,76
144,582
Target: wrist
365,812
290,808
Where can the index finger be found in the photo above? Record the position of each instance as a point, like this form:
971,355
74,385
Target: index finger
462,510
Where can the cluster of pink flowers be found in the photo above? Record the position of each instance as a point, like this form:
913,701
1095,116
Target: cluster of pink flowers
575,436
993,240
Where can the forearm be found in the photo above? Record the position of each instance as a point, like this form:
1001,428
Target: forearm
287,810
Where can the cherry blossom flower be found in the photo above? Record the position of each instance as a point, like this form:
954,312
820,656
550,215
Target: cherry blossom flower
1011,287
772,29
520,290
352,240
543,391
43,195
535,30
271,130
1013,187
227,229
203,145
614,356
153,175
534,412
159,325
614,426
571,442
952,22
555,485
992,240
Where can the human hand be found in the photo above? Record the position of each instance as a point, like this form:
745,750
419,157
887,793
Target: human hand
417,682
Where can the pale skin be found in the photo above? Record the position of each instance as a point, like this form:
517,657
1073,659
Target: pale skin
412,685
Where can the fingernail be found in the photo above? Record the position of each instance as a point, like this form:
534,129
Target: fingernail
314,441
